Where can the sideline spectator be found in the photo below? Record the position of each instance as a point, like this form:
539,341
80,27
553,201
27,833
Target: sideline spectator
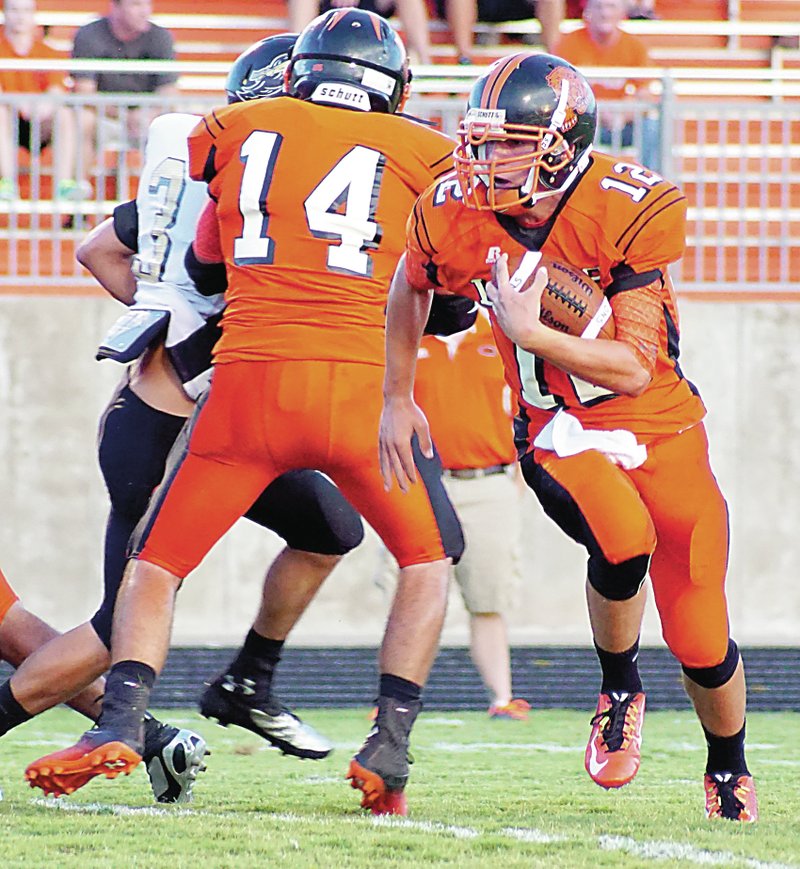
461,16
643,10
637,9
126,33
461,389
412,14
601,42
36,125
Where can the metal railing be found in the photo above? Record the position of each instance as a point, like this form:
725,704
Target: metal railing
738,160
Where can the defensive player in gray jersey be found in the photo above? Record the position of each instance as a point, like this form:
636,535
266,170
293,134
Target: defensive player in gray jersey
167,334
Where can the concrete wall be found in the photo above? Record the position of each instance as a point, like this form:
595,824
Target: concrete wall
743,357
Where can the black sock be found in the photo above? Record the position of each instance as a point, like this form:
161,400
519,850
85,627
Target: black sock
726,753
257,659
399,688
254,666
266,650
126,700
11,713
620,670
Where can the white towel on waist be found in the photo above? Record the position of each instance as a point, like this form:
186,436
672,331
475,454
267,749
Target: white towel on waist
565,436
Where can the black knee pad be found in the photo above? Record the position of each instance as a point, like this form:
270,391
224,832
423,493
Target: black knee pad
309,513
618,581
716,677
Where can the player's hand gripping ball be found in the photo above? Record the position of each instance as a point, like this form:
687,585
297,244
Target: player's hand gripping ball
571,302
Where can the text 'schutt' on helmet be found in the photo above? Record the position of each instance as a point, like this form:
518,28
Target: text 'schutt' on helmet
545,110
259,71
351,58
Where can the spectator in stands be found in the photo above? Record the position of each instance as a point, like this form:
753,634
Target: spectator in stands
461,16
126,33
637,9
413,16
601,42
37,124
644,10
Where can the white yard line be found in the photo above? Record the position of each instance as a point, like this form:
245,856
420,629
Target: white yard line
645,850
509,746
111,809
532,835
426,827
654,850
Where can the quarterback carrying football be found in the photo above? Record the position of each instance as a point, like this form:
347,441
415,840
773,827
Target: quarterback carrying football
609,431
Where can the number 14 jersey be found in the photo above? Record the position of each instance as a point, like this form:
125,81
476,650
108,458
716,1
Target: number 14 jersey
312,203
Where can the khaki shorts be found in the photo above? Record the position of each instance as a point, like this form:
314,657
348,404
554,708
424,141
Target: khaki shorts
488,575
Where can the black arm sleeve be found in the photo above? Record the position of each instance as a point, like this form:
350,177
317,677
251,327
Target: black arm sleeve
126,224
209,278
450,314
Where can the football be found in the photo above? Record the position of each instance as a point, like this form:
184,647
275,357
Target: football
572,302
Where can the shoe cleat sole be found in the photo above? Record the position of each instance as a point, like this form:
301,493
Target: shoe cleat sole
375,795
69,774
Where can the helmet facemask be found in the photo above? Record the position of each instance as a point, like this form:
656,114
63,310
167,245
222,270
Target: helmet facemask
548,159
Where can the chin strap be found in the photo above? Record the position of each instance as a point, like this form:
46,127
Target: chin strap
578,169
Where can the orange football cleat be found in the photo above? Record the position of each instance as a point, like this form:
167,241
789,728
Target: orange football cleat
731,796
376,795
95,753
515,710
380,767
614,750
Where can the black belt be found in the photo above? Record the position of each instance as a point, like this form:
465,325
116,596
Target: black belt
474,473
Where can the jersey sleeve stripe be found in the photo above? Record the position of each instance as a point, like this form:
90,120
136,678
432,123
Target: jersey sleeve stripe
438,169
216,127
420,227
640,214
651,217
209,169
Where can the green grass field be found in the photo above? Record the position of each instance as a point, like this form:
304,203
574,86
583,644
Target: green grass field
482,793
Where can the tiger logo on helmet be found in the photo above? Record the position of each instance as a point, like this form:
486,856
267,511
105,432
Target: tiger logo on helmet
566,80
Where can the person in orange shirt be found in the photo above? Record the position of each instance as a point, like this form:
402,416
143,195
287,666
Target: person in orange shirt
460,386
610,430
53,125
312,192
602,42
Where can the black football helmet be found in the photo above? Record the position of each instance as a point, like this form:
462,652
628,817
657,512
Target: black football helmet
352,58
545,109
259,71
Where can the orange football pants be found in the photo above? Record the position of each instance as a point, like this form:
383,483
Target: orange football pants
672,509
264,418
7,596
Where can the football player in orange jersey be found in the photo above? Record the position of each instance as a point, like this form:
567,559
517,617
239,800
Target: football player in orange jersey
138,256
610,432
312,190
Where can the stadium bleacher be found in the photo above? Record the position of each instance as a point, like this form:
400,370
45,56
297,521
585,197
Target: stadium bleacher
739,167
